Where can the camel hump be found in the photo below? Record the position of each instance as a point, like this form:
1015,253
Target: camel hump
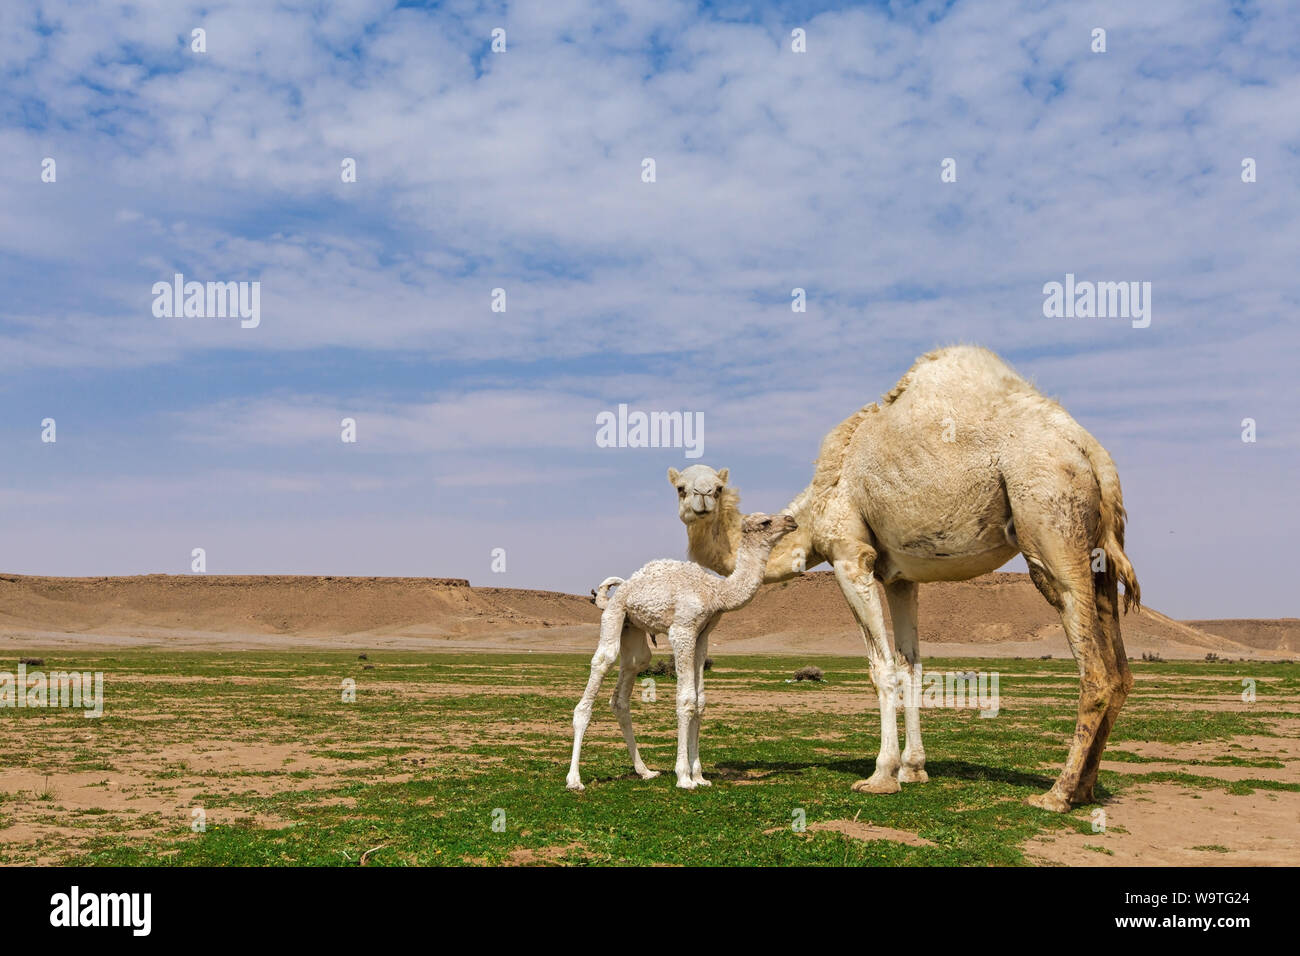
831,456
960,368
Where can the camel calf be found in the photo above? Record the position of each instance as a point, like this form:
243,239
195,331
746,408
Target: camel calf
685,601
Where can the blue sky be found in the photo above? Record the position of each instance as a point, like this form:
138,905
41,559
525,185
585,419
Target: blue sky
521,171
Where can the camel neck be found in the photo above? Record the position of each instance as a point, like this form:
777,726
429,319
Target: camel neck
742,584
715,544
793,554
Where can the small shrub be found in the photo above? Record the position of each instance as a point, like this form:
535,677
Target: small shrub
809,672
667,667
32,661
660,668
1152,657
1211,657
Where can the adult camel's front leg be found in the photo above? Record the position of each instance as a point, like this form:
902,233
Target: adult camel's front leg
701,655
853,564
901,596
682,638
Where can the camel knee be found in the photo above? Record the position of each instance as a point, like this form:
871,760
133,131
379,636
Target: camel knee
619,704
582,714
687,708
699,704
1105,692
1125,679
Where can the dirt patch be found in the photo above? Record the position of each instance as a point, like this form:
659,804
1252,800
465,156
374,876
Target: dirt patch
149,793
856,830
545,856
1171,825
868,831
1190,758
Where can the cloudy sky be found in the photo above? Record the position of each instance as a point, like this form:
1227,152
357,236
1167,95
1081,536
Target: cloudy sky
523,170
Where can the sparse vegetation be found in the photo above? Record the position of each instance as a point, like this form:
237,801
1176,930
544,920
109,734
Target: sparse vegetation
809,672
290,775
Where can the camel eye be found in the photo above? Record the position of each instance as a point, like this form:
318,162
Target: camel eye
718,490
681,492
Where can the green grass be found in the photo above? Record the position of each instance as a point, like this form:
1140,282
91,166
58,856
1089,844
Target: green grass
439,747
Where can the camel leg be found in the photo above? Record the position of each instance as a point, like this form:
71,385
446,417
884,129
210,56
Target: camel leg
901,596
1067,585
611,626
1107,594
635,654
701,654
682,638
853,571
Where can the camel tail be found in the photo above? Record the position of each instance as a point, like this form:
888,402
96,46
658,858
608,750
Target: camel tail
1113,517
600,596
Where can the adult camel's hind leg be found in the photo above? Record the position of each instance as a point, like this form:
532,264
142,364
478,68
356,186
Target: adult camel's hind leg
634,656
901,596
1107,591
1061,571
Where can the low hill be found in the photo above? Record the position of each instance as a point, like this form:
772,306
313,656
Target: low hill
996,615
1281,634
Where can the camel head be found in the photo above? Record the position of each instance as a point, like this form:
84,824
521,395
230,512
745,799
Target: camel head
699,491
768,529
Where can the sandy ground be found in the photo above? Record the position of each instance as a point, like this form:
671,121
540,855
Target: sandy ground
1165,824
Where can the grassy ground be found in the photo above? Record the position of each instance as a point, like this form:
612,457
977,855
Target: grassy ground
437,748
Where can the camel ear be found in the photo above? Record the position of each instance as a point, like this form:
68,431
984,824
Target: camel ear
722,475
673,475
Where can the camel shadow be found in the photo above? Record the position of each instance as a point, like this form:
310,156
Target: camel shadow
859,769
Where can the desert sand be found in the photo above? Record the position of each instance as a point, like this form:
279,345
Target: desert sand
998,615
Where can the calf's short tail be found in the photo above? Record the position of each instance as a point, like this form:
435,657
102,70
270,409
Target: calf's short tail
600,596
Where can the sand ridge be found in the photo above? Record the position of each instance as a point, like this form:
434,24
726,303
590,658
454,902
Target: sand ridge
999,614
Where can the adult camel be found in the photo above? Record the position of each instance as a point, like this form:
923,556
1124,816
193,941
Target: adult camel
960,467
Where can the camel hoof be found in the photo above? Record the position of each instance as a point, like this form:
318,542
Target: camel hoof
877,785
908,775
575,785
701,782
687,784
647,774
1050,801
